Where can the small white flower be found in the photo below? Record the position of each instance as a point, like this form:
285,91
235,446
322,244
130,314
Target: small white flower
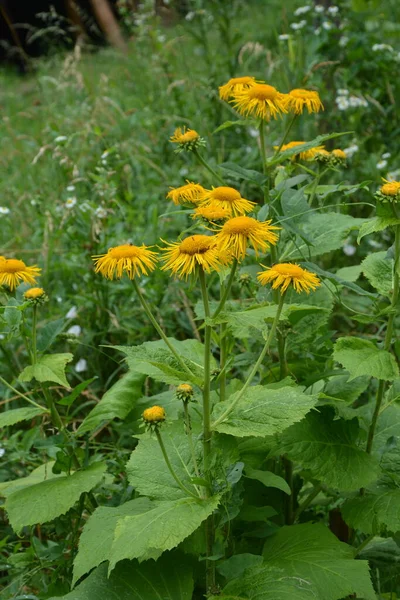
61,138
4,210
72,313
81,365
333,10
100,212
105,154
2,452
393,175
75,330
349,249
253,132
284,36
190,16
2,336
351,150
70,202
342,103
379,47
70,188
302,10
59,299
319,8
386,155
344,40
162,38
85,207
355,102
327,25
381,164
374,244
299,25
342,92
317,30
183,171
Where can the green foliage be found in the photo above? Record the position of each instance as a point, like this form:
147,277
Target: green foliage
49,367
376,224
362,357
19,414
374,512
268,479
378,269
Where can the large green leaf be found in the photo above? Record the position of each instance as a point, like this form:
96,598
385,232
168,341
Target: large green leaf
116,403
268,479
379,271
376,224
268,583
312,554
169,579
49,367
362,357
155,360
328,449
10,417
42,473
48,334
147,470
264,411
374,512
97,536
162,528
336,279
44,501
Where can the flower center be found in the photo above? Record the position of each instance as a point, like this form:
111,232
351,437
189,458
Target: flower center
288,270
225,194
302,94
391,189
239,80
262,91
196,244
189,136
240,225
34,293
12,265
124,251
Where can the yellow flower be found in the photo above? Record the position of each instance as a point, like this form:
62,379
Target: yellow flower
13,271
229,198
155,414
299,98
390,188
129,259
184,136
184,392
212,212
237,233
183,258
338,153
303,155
34,293
260,100
284,274
191,193
234,85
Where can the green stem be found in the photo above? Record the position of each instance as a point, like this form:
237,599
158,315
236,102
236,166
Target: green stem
311,496
208,167
34,334
21,395
170,467
283,368
157,327
261,129
222,361
364,544
289,499
256,366
388,338
227,289
285,135
188,428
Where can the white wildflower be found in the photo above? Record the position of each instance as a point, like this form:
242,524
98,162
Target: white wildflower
81,365
351,150
349,249
70,202
75,330
299,25
302,10
100,212
2,452
386,155
379,47
4,210
72,313
284,36
327,25
342,92
253,132
70,188
381,164
317,30
342,103
319,8
393,175
61,138
344,40
333,10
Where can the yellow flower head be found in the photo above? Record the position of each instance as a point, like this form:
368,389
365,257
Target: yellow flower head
34,293
184,392
234,85
183,258
212,212
261,101
303,155
187,139
190,193
237,233
129,259
299,99
389,191
229,198
13,271
153,415
284,274
338,153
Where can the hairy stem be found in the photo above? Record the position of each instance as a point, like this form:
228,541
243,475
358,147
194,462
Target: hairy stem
311,496
20,394
34,334
208,167
227,289
170,467
188,429
285,135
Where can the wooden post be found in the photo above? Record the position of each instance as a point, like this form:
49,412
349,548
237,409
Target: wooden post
108,23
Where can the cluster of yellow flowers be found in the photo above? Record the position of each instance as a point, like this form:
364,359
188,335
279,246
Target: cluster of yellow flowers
14,271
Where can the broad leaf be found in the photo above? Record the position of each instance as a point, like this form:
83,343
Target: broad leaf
341,388
162,528
268,479
312,554
239,172
236,565
97,536
263,411
10,417
335,278
328,449
376,224
116,403
50,367
373,513
170,579
42,473
147,471
379,271
362,357
48,333
49,499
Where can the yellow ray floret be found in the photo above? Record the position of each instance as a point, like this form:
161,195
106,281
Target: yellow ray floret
234,85
303,155
338,153
300,99
131,260
190,193
155,414
284,274
229,198
390,188
212,212
261,101
34,293
237,233
183,258
14,271
184,136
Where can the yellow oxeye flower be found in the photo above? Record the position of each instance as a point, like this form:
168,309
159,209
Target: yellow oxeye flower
13,271
234,85
390,190
129,259
284,274
34,293
155,414
184,136
212,212
190,193
182,258
184,392
237,233
338,153
261,101
229,198
299,99
303,155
